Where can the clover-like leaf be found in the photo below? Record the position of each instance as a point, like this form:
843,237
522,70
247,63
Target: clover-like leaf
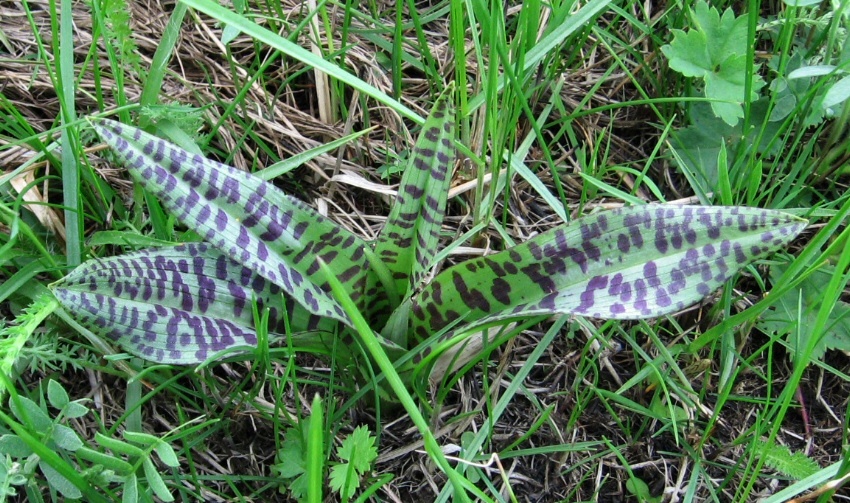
252,221
177,304
629,263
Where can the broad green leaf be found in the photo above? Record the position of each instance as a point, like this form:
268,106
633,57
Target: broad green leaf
177,304
166,454
154,480
30,413
712,40
725,35
250,220
728,82
14,446
408,242
688,54
108,461
630,263
66,438
58,481
56,395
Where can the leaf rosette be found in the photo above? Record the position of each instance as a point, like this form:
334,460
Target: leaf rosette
185,304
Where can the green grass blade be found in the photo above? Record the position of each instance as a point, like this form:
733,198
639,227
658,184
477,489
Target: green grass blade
178,304
572,23
630,263
248,219
164,50
316,452
70,142
372,343
287,165
292,50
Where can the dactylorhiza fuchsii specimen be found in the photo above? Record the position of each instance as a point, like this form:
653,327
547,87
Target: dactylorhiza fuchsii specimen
184,304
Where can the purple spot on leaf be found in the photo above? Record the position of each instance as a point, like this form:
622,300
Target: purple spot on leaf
587,296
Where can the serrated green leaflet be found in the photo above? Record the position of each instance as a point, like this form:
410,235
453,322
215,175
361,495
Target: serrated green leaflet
179,304
630,263
249,220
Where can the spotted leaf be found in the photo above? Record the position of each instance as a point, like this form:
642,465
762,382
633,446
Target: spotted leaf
178,304
250,220
408,242
630,263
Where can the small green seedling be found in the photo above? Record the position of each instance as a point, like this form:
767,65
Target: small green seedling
291,467
640,489
357,453
793,464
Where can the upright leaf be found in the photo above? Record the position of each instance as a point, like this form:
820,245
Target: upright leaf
409,240
177,304
248,219
629,263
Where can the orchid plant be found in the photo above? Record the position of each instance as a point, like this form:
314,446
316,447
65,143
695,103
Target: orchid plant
189,303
